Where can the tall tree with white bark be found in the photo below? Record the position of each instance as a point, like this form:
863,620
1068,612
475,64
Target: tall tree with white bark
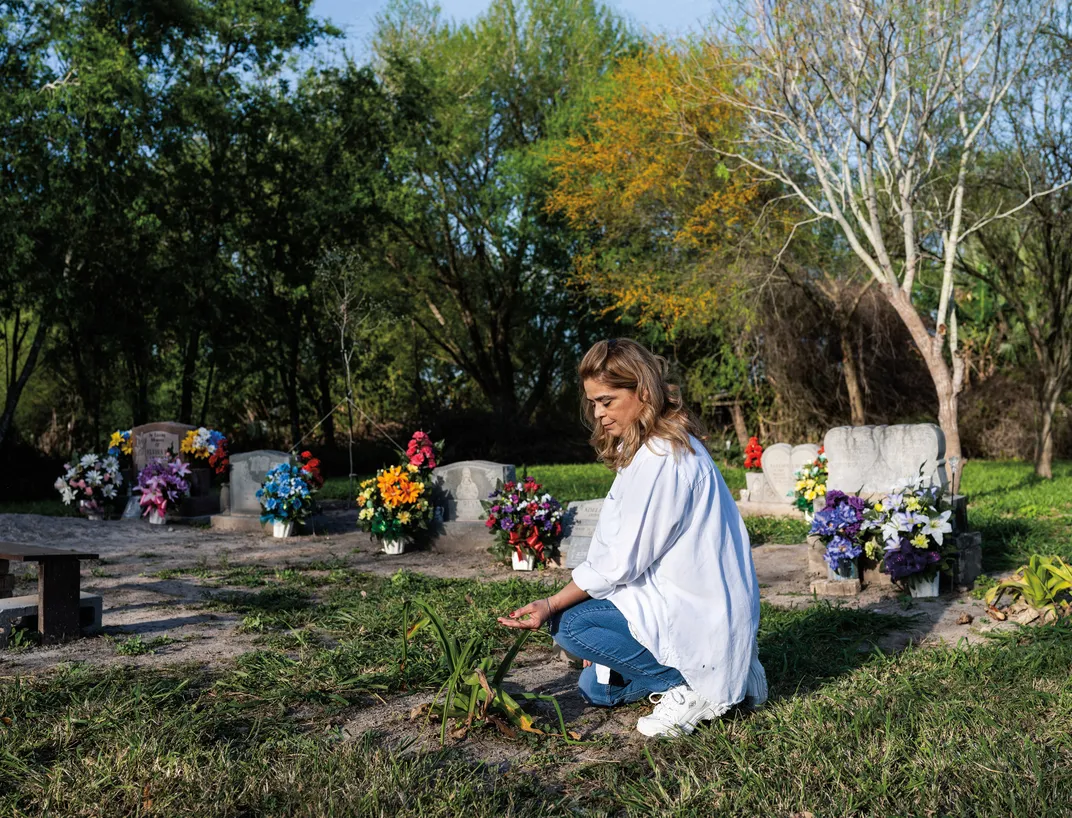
872,114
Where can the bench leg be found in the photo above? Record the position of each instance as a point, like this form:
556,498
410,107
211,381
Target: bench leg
7,580
58,600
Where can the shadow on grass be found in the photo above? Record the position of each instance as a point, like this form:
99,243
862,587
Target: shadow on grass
803,648
269,601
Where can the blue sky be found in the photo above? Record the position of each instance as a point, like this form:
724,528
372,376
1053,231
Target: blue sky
357,17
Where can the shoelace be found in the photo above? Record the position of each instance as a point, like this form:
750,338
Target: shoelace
657,698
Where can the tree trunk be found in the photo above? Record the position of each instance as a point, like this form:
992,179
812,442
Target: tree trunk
737,413
189,368
1049,398
326,405
852,383
208,392
942,375
14,392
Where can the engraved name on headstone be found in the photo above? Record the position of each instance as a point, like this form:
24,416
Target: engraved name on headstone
152,441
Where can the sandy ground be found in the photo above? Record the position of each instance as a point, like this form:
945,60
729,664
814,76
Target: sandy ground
137,603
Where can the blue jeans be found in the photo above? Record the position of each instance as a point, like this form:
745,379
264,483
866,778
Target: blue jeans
595,630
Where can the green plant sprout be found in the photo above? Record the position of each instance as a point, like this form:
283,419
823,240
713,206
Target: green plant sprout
1044,584
473,689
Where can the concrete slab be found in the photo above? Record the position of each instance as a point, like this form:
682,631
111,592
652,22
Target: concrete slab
90,610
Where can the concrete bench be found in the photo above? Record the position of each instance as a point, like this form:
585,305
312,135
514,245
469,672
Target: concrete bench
59,601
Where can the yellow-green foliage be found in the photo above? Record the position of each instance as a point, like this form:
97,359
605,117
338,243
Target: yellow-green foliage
1045,584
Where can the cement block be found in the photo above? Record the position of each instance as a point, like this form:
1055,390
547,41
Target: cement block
836,587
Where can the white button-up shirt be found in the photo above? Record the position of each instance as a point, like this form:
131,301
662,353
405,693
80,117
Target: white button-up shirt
671,552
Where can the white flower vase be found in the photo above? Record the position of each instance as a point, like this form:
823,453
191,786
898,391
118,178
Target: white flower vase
525,563
282,529
156,518
921,588
394,547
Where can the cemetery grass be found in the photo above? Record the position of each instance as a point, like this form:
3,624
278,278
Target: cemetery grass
973,731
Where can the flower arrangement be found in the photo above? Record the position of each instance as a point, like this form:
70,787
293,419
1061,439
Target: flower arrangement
810,483
906,531
523,520
92,480
286,495
310,467
162,485
838,526
421,452
207,444
753,454
395,503
120,444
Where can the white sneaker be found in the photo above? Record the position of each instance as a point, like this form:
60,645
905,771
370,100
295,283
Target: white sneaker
676,713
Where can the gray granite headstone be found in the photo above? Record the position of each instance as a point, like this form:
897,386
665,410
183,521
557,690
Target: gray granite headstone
579,527
461,486
152,441
872,459
248,470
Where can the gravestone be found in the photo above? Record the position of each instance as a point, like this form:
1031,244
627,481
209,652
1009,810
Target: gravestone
460,487
152,441
870,460
248,470
579,526
771,491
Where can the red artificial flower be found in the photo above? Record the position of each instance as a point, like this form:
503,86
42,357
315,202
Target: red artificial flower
753,454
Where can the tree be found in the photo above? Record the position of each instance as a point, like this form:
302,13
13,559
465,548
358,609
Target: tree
871,114
1027,260
482,262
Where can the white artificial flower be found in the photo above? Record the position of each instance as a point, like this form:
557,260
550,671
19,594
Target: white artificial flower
88,460
108,491
94,477
938,526
67,494
110,464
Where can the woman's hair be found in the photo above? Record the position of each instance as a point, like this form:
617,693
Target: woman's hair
621,363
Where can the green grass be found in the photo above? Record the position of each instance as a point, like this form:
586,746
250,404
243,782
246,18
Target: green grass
935,731
1018,513
46,508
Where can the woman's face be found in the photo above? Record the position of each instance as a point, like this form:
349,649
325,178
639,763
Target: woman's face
615,409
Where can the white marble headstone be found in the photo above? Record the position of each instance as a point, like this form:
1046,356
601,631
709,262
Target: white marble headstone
152,441
461,486
871,459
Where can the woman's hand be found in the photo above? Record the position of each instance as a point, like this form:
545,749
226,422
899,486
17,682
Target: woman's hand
530,617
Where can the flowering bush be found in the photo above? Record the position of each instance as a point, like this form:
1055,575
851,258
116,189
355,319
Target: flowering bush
92,480
906,531
395,502
421,452
838,525
811,483
523,520
207,444
286,495
163,485
753,454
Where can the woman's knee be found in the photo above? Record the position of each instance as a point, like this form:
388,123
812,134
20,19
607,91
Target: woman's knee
567,629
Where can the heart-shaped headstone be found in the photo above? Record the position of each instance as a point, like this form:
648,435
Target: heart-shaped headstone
872,459
778,469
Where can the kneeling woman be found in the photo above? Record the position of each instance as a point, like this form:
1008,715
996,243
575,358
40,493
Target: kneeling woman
667,603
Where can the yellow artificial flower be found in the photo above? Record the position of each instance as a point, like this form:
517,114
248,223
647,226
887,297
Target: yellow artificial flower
809,495
411,468
366,514
801,485
821,490
878,507
919,541
912,504
404,517
873,549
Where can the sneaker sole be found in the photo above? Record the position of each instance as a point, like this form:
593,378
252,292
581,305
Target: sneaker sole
654,729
